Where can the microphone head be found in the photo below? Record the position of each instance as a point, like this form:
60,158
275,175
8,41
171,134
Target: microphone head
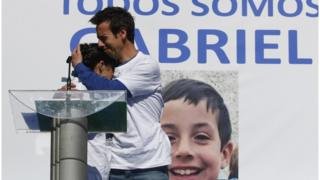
68,59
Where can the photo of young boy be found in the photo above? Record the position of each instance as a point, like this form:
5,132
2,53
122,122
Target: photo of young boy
197,122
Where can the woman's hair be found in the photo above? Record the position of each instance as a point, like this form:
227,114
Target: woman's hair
92,55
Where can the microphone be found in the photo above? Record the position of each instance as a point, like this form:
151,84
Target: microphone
68,59
69,73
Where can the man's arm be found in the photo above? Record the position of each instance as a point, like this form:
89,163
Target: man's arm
90,79
95,82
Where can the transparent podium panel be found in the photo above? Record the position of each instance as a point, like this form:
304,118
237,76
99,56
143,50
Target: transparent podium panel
35,110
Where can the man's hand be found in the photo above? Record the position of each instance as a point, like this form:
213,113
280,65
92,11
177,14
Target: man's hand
76,56
64,88
62,95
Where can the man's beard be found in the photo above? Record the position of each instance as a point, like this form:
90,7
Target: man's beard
112,53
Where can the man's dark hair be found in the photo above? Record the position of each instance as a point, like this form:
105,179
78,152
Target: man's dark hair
194,91
119,19
92,55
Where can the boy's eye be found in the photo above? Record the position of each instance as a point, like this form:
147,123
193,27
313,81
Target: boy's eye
201,138
172,139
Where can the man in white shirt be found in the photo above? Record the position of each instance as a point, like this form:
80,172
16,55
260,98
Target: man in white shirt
143,152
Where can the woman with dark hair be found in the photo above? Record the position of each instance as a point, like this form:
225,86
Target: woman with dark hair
97,60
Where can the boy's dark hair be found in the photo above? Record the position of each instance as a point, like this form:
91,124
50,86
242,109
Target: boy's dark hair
119,18
193,91
92,55
234,164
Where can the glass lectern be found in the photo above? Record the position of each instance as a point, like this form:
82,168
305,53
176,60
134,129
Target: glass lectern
69,116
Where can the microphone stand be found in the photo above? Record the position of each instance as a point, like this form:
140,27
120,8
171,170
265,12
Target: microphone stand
56,132
72,135
69,74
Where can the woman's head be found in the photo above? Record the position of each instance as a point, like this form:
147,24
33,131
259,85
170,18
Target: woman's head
97,60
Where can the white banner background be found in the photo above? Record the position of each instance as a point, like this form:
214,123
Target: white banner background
278,128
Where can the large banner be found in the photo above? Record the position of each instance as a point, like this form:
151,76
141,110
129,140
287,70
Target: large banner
261,56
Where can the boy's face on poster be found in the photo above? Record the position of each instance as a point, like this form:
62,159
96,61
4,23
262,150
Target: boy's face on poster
194,136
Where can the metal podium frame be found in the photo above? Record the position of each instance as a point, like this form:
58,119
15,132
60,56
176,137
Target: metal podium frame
69,116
